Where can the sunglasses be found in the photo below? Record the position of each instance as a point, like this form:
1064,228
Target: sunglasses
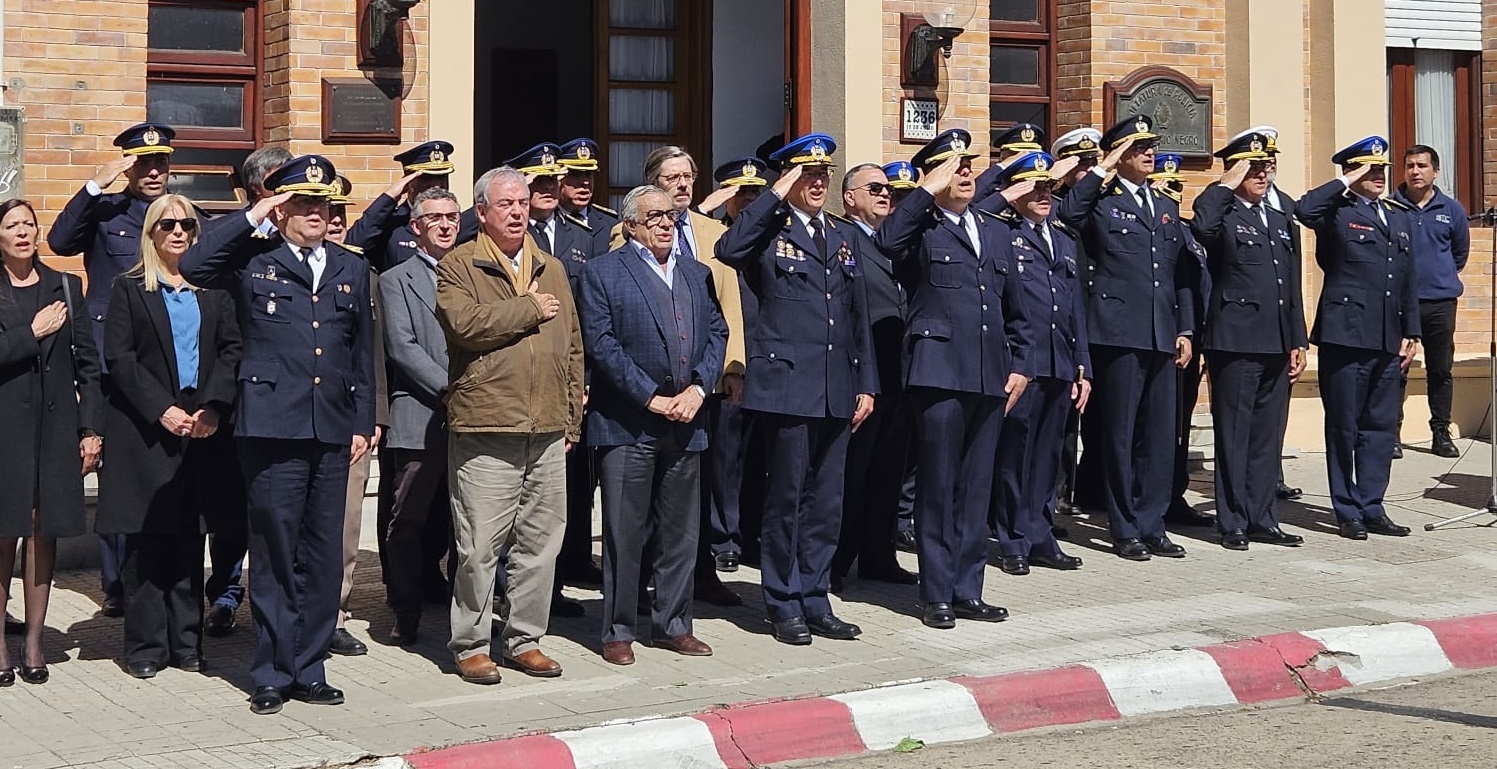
876,188
189,224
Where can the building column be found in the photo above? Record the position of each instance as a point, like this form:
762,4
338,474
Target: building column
450,67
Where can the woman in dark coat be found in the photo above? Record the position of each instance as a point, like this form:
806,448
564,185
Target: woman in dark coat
172,352
49,415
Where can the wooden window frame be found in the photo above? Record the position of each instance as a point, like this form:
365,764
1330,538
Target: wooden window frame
1468,130
1039,34
245,69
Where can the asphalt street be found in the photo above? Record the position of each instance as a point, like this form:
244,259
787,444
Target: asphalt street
1449,723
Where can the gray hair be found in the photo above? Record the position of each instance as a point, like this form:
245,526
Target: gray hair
492,177
629,209
432,193
657,159
855,170
259,164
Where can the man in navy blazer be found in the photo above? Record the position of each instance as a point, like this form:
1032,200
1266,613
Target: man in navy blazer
1367,329
967,345
811,379
655,339
305,413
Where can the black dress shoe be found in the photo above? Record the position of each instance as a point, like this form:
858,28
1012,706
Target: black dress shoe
828,626
219,622
316,694
1164,547
1275,536
188,663
1182,514
1131,549
267,700
938,615
1059,561
1068,508
142,669
345,645
561,606
404,632
1284,491
713,591
1385,527
791,631
1352,529
1236,539
979,610
905,541
1441,446
14,626
114,606
726,562
1017,565
7,677
894,574
1398,451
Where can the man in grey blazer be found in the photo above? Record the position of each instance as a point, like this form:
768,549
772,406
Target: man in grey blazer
655,338
416,350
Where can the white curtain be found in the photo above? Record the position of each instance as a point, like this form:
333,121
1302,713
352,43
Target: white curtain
639,58
642,14
1434,111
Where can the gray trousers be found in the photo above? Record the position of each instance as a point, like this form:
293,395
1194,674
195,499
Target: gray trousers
651,498
509,495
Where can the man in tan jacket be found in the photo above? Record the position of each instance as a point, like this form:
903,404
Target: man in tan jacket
514,408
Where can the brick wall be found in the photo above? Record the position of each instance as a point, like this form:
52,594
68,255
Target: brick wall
963,89
78,68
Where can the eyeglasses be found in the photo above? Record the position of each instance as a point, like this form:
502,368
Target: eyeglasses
876,188
433,218
685,176
653,218
189,224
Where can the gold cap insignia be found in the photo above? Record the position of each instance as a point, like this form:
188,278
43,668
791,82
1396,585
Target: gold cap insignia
818,152
1040,164
1255,145
1273,145
958,145
904,173
750,171
1377,149
547,159
314,174
1142,126
1086,143
583,153
1027,134
1170,166
438,156
151,137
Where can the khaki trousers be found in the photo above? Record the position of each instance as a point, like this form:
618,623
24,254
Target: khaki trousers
353,517
509,497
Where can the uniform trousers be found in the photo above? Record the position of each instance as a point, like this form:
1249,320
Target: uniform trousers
723,470
1029,455
1359,390
1188,392
1248,393
956,436
577,543
418,497
651,501
876,461
1136,411
805,458
296,491
509,496
162,578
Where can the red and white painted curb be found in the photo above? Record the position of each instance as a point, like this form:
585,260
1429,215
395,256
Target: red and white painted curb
1260,670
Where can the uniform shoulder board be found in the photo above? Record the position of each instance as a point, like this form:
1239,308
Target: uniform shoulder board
1060,226
839,218
260,235
606,210
1396,203
569,216
1008,216
355,249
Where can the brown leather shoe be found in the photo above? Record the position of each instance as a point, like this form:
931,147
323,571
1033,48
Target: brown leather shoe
478,669
687,644
536,663
619,652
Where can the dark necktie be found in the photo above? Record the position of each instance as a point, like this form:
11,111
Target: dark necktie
1039,230
542,237
1144,202
818,235
683,238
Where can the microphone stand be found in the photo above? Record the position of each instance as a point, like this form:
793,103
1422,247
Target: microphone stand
1488,218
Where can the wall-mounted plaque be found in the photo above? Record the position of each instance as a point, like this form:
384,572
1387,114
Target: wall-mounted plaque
1180,108
12,165
360,111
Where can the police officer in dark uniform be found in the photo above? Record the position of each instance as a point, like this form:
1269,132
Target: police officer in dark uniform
903,178
811,379
562,237
966,363
1367,329
1140,322
1020,138
383,232
1030,445
106,229
1254,338
305,413
580,158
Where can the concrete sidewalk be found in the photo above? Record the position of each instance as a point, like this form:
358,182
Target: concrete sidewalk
92,715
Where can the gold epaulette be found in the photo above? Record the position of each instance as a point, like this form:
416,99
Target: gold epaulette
839,217
351,247
606,210
569,216
1396,203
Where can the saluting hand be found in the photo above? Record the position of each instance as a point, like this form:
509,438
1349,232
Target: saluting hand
399,187
1355,175
550,305
269,203
1064,167
1236,173
940,177
1111,159
717,198
787,180
1017,190
111,171
48,320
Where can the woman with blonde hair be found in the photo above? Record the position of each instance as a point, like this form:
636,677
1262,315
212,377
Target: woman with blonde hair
49,414
172,351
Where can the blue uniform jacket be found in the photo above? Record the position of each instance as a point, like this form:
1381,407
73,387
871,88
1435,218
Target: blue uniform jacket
1254,306
106,230
308,365
623,330
967,329
810,349
599,225
384,234
1053,300
1368,299
1442,242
